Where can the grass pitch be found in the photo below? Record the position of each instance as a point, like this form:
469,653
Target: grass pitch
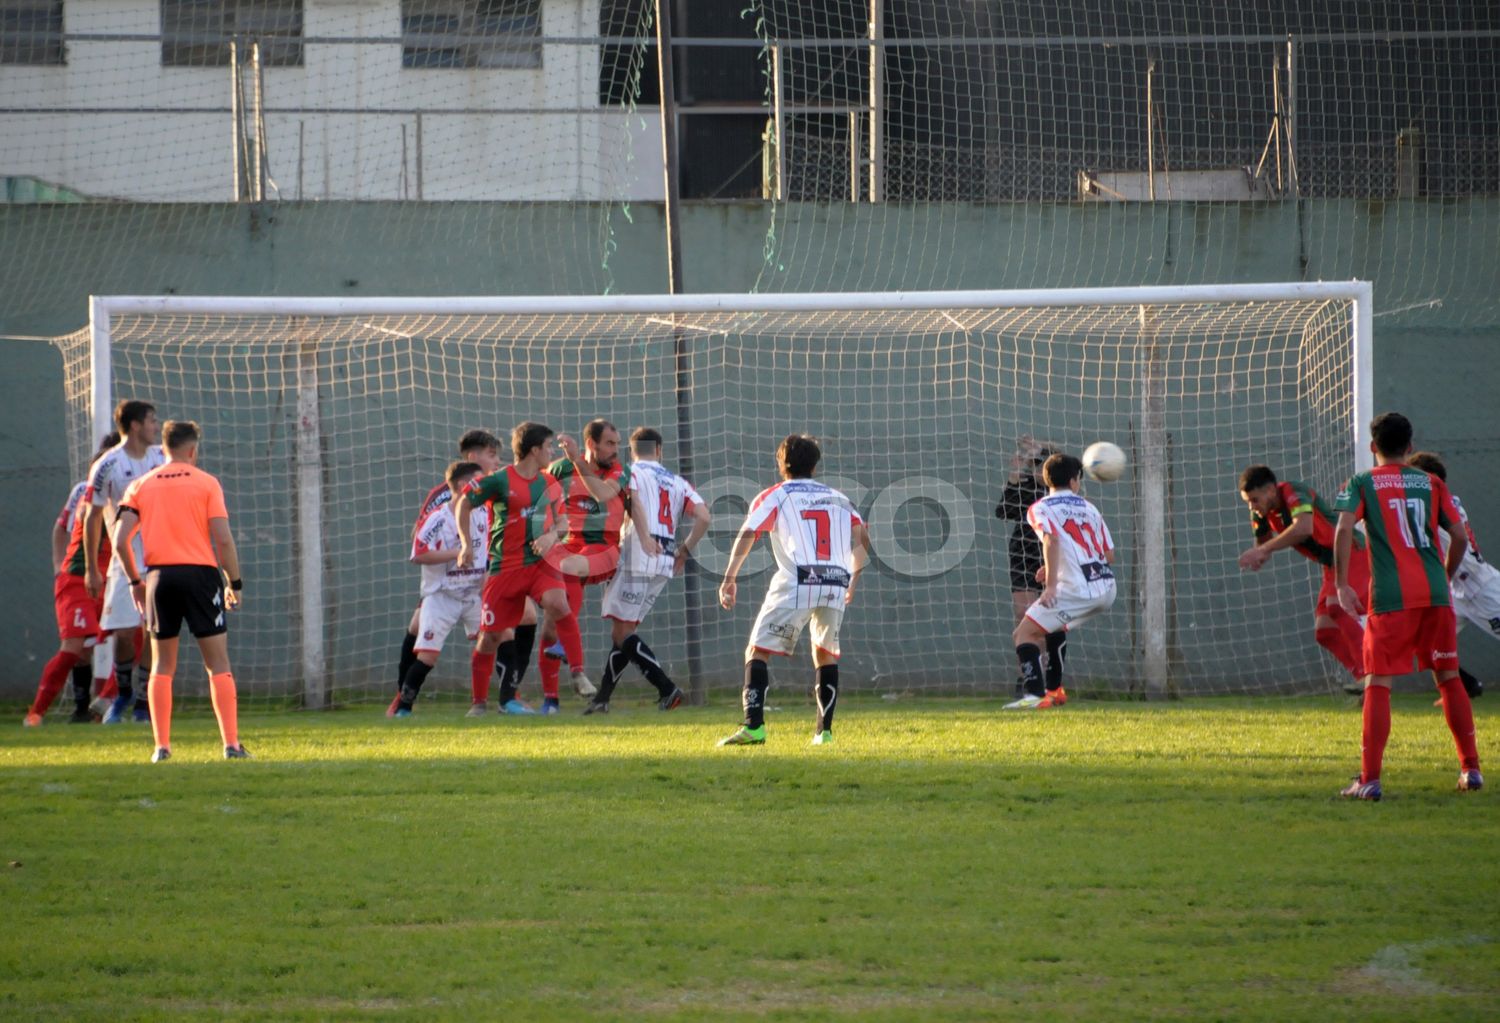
943,861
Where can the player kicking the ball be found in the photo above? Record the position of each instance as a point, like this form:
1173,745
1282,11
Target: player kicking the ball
1411,612
1077,581
820,545
450,594
650,556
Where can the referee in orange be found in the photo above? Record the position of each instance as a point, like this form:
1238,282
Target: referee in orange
189,556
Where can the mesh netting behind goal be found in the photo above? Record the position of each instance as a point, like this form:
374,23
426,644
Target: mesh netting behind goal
917,411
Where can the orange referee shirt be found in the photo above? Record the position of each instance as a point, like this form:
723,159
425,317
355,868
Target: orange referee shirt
175,502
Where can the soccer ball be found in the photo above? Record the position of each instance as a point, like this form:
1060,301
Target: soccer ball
1104,462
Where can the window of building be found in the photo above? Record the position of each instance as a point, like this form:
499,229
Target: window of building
471,33
31,32
197,33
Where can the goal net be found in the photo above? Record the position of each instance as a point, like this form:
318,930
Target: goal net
327,421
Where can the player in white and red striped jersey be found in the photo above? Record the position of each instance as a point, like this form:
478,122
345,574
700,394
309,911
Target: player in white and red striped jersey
820,545
650,555
482,448
1475,587
1077,580
450,594
137,453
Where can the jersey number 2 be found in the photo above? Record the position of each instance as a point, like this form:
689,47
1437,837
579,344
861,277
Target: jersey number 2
821,521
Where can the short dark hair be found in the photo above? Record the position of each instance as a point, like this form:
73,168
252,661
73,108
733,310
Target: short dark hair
798,456
644,436
177,434
1059,470
1255,477
478,440
131,411
1391,432
1429,462
459,471
527,437
594,429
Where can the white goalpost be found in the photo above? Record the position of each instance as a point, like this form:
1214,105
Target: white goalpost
329,418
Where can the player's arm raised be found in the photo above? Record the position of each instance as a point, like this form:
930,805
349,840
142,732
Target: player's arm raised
702,519
600,489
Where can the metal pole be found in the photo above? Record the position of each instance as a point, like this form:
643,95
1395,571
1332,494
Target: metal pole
309,462
1154,518
235,117
1150,133
877,93
257,80
680,343
777,99
1291,113
856,145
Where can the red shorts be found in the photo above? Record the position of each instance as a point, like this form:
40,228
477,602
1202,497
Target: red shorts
503,599
77,612
1359,581
603,559
1428,635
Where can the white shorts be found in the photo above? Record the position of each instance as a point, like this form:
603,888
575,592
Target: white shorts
1069,609
779,626
440,612
1481,607
628,597
119,610
104,658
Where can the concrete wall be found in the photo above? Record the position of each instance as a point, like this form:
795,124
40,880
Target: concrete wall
1434,264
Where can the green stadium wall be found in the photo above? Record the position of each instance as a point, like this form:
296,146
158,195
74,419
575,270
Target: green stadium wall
1435,266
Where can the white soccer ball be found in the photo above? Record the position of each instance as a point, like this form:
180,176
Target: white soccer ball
1104,462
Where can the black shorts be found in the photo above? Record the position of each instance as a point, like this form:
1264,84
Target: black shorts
185,593
1023,568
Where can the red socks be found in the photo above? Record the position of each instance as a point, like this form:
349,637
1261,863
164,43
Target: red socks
551,668
1377,729
54,677
572,640
1338,642
481,667
1459,714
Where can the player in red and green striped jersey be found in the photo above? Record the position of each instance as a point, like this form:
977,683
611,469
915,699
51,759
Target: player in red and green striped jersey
1285,514
526,520
594,481
1411,611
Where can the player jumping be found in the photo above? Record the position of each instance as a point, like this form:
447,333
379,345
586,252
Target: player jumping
820,544
1077,581
1292,515
649,556
1411,613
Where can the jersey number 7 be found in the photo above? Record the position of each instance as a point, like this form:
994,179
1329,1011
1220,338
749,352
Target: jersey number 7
822,522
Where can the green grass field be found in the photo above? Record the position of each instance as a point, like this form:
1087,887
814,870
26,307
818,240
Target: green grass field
943,861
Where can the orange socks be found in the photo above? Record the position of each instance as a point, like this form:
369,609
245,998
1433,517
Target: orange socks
159,696
226,707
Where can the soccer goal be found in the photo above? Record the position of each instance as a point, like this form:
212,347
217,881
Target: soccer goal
328,419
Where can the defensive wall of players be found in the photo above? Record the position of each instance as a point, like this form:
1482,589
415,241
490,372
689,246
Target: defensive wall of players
1433,263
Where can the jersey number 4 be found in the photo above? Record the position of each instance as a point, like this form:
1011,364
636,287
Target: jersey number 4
822,524
664,509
